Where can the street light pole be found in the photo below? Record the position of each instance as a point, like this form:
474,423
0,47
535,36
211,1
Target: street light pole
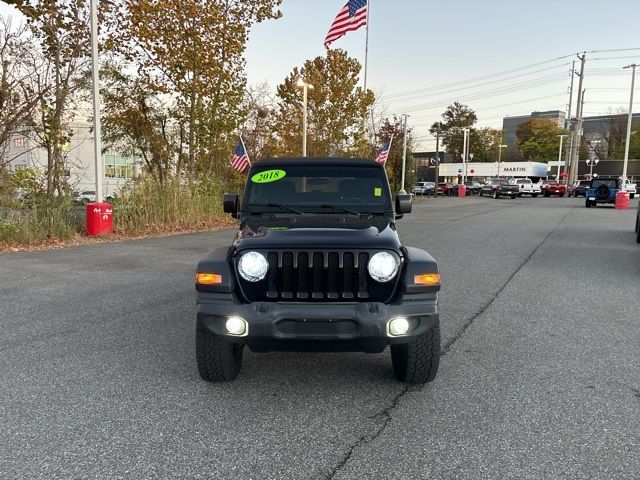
465,152
626,146
500,147
404,156
95,77
560,155
305,86
592,162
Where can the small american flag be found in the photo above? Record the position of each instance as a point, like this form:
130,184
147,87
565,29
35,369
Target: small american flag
384,152
240,160
352,16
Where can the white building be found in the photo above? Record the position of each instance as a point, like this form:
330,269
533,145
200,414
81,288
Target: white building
23,152
487,170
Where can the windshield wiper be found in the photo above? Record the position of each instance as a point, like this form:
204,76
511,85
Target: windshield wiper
340,208
282,206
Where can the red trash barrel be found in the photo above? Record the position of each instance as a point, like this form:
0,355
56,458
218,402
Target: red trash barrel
99,219
462,190
622,200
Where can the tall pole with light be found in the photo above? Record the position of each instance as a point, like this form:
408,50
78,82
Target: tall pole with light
97,144
629,120
404,156
560,155
305,87
500,147
465,153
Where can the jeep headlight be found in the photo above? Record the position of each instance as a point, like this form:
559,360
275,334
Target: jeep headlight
383,266
252,266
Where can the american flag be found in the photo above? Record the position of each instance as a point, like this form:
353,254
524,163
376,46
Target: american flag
240,160
384,152
352,16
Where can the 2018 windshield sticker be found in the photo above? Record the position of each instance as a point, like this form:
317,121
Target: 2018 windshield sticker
268,176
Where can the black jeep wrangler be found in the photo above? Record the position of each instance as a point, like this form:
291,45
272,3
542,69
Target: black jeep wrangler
317,265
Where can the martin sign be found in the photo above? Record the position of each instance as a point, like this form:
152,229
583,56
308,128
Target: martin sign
504,169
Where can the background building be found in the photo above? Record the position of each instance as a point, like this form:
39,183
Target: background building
510,125
23,152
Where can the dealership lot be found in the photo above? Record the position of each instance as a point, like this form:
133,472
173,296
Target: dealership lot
540,376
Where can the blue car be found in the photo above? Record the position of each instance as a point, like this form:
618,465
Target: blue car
602,190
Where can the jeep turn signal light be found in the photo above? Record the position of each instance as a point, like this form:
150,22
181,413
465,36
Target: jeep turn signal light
427,279
208,279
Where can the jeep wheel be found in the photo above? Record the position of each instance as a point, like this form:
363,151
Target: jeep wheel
631,195
495,194
561,194
480,192
546,194
513,197
587,203
417,362
218,360
535,195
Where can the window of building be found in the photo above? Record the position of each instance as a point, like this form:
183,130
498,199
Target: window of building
18,142
117,166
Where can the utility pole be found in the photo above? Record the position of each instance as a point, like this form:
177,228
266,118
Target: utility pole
404,156
465,153
575,164
437,159
567,123
576,133
626,146
560,154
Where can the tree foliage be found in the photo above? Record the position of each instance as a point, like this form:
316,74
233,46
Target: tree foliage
60,27
337,108
538,139
394,127
454,119
191,52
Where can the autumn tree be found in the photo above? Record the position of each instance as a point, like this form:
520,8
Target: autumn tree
191,52
136,122
394,127
537,139
61,29
258,129
455,119
337,108
20,72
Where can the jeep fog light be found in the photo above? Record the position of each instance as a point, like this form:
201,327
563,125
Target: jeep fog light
398,326
236,326
252,266
383,267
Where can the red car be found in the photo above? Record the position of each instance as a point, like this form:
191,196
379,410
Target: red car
446,188
553,187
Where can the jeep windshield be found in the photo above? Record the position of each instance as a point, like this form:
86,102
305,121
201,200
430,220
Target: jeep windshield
611,183
317,188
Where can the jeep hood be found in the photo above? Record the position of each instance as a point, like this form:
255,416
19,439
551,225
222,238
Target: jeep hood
328,232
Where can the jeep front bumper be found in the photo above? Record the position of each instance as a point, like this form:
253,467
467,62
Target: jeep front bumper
326,326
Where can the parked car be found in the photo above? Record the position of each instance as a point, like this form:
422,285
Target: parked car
579,188
526,187
497,187
85,197
553,187
630,188
473,187
602,190
445,188
424,188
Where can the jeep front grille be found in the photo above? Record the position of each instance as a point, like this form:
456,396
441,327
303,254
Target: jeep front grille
317,276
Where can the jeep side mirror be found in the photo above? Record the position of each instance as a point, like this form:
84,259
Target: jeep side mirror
230,204
403,204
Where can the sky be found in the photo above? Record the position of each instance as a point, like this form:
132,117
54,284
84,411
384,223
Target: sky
504,58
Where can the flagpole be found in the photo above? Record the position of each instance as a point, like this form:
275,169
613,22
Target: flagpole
366,48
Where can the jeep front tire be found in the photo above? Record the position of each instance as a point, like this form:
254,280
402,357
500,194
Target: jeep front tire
417,362
218,359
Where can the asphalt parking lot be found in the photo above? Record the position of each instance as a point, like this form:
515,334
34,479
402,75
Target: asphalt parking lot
540,376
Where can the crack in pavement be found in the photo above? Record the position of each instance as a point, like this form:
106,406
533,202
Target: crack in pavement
384,416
